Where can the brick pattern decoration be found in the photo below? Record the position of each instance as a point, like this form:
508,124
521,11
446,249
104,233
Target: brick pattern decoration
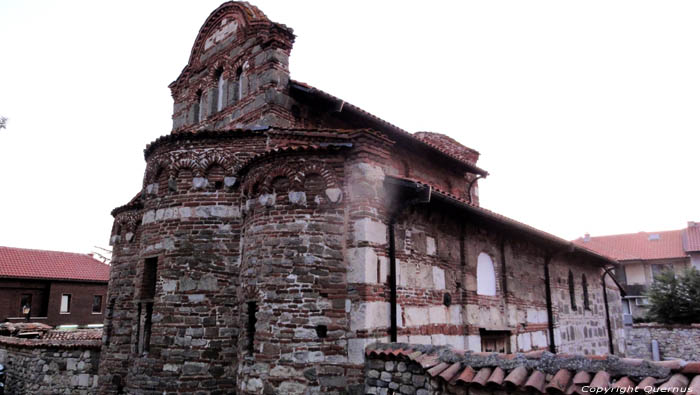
399,368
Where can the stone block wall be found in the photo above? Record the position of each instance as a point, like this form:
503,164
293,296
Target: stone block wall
582,329
398,377
675,341
47,367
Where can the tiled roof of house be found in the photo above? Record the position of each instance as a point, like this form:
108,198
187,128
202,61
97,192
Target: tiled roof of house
691,237
55,265
541,371
637,246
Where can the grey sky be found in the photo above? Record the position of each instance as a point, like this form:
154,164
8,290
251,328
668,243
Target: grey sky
585,113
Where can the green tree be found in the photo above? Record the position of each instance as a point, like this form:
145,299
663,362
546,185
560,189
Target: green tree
675,299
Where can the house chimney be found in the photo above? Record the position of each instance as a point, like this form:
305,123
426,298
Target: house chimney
586,237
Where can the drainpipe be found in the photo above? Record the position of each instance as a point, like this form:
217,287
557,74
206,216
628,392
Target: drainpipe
606,271
548,297
393,330
423,196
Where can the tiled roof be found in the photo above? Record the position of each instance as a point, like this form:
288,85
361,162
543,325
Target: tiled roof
56,265
82,338
509,222
541,371
691,237
635,246
388,125
68,335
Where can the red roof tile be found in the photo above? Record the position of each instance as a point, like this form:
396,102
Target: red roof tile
637,246
39,264
542,373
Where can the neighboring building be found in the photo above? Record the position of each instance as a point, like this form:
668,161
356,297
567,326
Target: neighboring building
280,230
644,255
62,288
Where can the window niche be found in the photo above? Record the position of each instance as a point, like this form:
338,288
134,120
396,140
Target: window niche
584,285
572,291
250,327
198,113
220,89
239,84
485,276
145,305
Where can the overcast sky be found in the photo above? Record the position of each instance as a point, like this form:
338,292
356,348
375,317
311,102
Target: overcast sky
586,114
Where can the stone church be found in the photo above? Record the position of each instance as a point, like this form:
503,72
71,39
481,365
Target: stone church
281,230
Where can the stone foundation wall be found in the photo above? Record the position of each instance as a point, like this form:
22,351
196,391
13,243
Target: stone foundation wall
675,341
392,377
40,367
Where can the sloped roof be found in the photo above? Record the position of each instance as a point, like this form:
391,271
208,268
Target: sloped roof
637,246
540,371
54,265
691,237
510,223
388,126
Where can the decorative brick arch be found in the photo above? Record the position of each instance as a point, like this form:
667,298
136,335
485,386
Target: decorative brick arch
155,167
327,174
245,15
215,158
253,178
185,163
280,171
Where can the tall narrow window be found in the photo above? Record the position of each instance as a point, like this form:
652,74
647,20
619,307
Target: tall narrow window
65,303
26,300
148,281
220,89
485,275
239,84
97,304
572,294
252,309
584,285
145,307
198,107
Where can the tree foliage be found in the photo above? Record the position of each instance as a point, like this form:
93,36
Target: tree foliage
675,299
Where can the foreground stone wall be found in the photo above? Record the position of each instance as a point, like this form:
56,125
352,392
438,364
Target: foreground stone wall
675,341
45,367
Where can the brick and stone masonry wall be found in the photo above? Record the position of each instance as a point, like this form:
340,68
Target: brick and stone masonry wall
675,341
41,367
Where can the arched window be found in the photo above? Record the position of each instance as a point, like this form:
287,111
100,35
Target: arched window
220,88
239,84
584,284
485,275
198,107
572,294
